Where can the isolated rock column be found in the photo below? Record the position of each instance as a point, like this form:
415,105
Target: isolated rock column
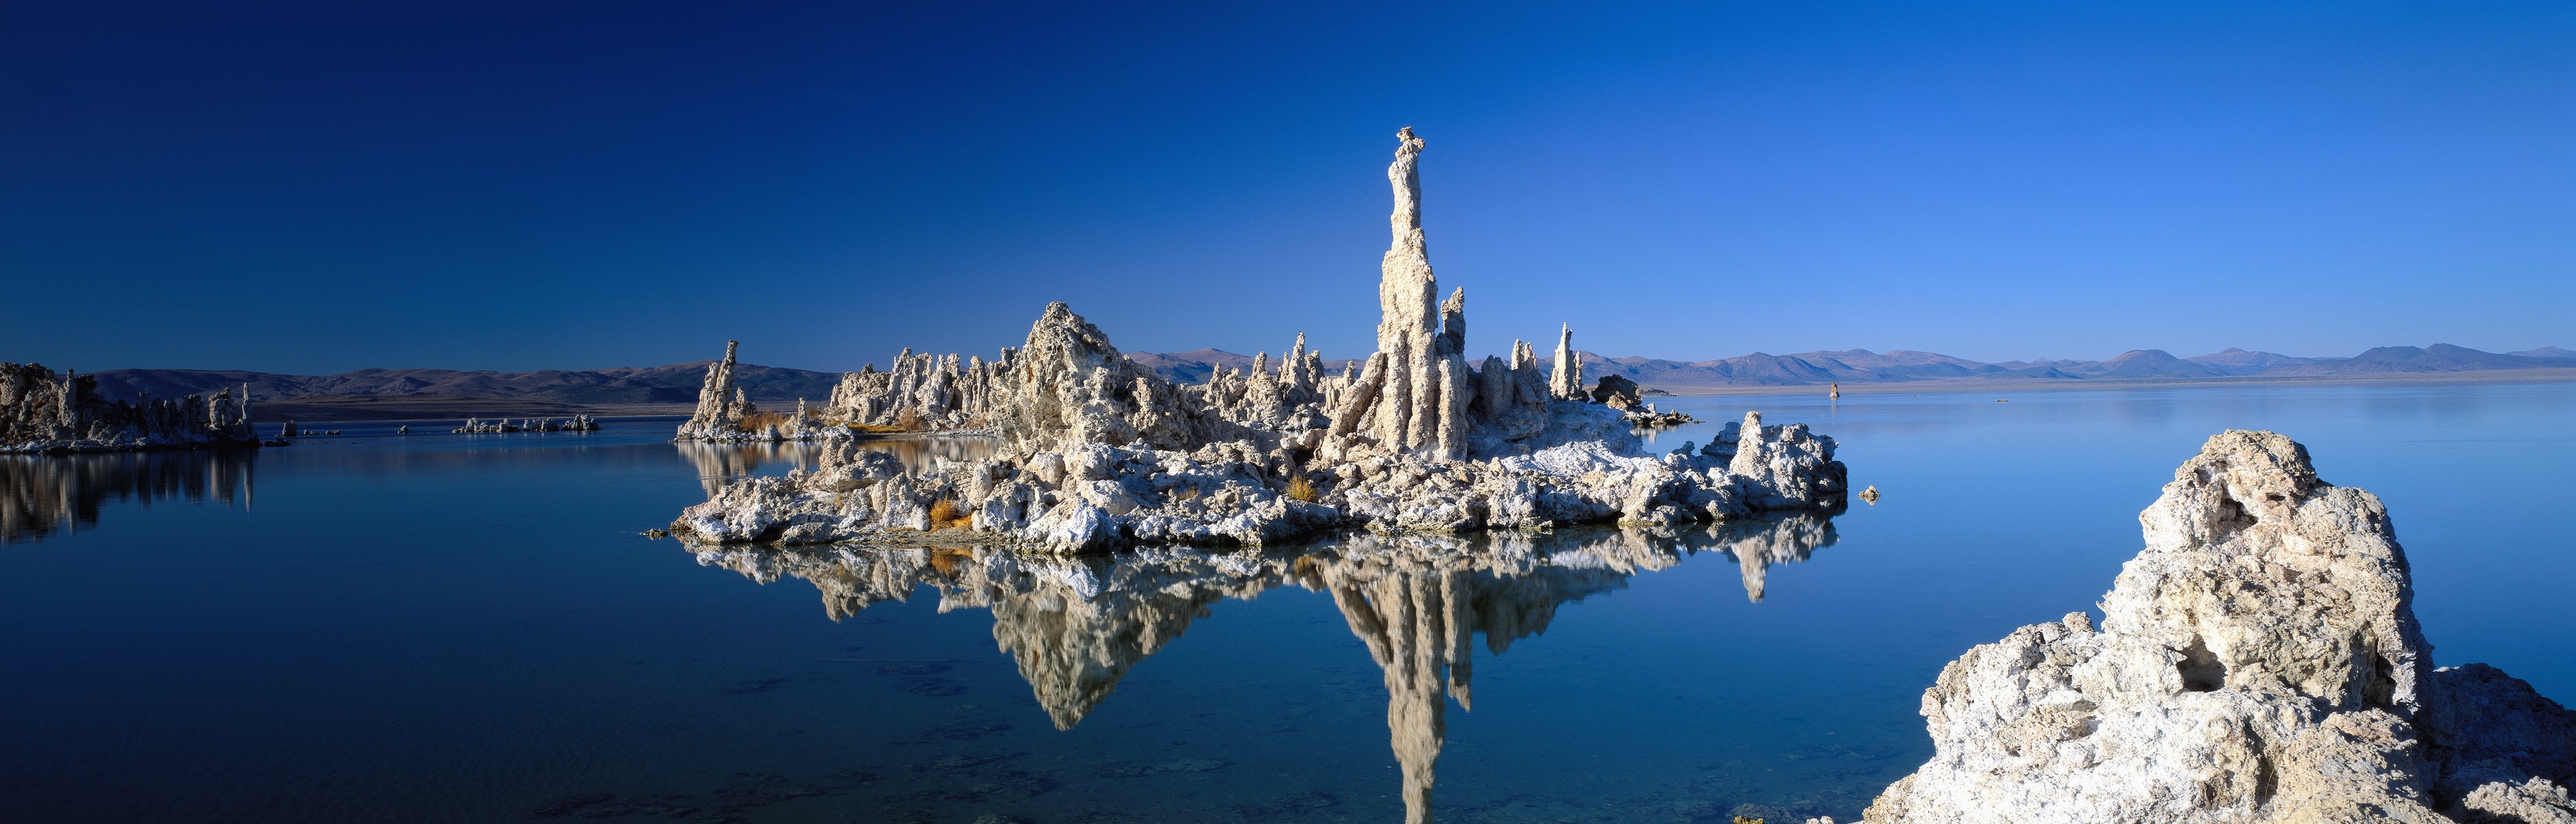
1567,381
1412,319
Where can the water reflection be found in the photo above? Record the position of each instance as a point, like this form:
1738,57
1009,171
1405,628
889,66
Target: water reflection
1076,625
44,494
722,463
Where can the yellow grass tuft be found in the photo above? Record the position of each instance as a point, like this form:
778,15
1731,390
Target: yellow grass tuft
946,515
1300,489
759,421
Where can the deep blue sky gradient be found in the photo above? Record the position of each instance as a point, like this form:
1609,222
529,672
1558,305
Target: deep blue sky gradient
327,186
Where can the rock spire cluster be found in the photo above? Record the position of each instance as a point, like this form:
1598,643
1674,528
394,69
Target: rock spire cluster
1097,451
43,412
2258,661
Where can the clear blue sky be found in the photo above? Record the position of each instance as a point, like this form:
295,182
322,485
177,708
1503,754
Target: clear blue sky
313,188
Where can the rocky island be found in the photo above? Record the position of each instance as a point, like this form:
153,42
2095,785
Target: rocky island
2259,661
1097,452
42,412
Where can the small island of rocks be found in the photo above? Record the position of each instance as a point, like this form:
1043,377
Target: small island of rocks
1097,452
41,412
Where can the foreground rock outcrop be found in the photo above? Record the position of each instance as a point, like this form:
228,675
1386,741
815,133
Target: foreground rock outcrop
2259,661
1099,452
43,412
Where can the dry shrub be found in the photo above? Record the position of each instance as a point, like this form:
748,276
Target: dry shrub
946,515
759,421
1300,489
909,421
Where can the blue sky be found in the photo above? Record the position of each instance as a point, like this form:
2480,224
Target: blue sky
314,188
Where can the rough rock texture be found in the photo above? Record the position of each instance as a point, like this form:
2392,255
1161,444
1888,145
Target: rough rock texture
1098,452
1567,380
922,392
42,412
479,426
1076,625
2258,661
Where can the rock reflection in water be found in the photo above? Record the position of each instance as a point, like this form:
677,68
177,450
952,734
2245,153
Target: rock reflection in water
722,463
1075,625
44,494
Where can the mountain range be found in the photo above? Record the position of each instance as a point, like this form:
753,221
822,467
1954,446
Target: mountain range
678,383
1864,366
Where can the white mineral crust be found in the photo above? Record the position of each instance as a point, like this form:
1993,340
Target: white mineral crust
2259,661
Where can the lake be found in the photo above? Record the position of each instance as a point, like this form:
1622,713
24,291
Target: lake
441,627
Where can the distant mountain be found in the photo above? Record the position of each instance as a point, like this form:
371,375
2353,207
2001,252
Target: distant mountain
2234,361
1864,366
676,383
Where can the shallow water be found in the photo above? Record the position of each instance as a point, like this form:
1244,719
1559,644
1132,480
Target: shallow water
467,628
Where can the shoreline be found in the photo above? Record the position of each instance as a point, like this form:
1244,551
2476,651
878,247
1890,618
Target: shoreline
1993,385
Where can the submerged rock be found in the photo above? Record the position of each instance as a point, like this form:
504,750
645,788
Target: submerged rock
2258,661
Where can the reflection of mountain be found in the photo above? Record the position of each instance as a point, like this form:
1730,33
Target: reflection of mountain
1075,625
40,494
721,462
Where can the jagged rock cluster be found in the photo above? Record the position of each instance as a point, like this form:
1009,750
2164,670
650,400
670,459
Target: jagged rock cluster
2259,661
1098,452
922,393
1076,625
478,426
40,412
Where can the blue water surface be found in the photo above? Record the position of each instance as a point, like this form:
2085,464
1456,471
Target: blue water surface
441,627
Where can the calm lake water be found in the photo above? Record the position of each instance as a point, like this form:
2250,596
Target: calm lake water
468,628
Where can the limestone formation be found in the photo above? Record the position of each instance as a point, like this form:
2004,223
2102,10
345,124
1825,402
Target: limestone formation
920,393
40,412
1567,381
1097,452
1075,626
479,426
2259,661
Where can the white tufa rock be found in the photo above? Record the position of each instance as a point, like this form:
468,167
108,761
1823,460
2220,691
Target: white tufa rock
2259,661
1097,452
42,412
